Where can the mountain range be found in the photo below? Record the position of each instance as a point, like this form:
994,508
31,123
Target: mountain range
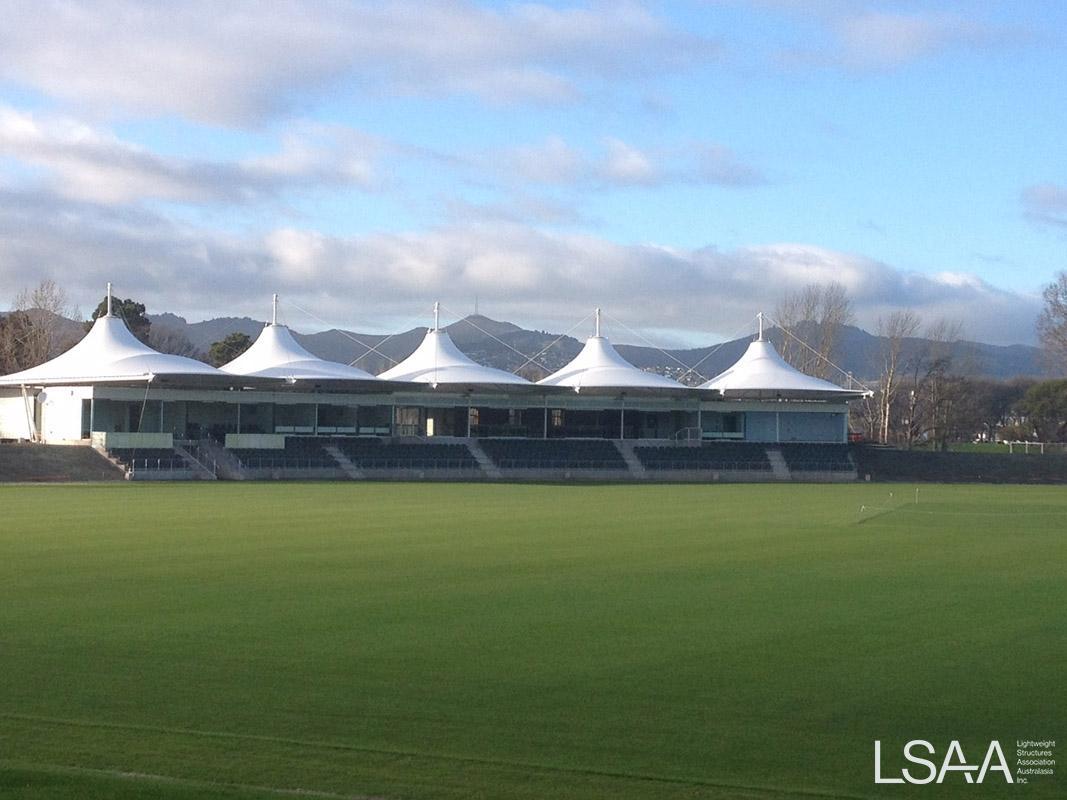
511,347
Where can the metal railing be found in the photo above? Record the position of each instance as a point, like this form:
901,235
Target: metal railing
156,464
702,466
819,466
288,462
559,463
413,463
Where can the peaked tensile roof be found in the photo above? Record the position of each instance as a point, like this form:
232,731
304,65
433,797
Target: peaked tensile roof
109,352
438,361
600,366
761,373
276,354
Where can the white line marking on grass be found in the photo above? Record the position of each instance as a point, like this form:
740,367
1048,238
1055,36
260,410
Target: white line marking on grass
170,780
773,791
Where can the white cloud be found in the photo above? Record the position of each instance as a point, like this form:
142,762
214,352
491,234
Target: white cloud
541,278
887,34
616,163
241,61
86,163
551,161
878,39
624,164
1046,202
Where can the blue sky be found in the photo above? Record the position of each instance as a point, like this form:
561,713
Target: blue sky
681,164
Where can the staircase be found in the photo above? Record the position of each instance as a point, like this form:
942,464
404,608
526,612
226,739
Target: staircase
103,453
344,462
203,471
223,464
633,463
491,470
779,468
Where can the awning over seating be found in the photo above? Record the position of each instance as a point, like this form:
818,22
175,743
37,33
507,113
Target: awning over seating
110,353
761,373
437,361
599,366
276,354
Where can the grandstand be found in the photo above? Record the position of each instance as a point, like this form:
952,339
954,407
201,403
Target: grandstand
369,454
278,411
717,457
554,454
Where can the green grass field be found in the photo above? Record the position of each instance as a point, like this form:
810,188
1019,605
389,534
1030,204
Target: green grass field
521,641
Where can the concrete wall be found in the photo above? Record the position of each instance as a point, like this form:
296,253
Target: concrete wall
256,441
14,420
128,441
61,413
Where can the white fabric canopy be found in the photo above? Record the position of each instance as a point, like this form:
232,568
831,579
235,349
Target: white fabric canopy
276,354
761,373
109,352
437,360
599,365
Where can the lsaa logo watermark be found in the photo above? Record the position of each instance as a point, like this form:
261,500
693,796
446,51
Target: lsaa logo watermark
954,761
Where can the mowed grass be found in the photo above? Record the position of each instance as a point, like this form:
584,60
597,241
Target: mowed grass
522,641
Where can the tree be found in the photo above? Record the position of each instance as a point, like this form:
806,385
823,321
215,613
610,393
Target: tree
1052,323
816,312
933,404
229,348
893,330
1045,407
45,310
16,331
130,311
166,339
990,406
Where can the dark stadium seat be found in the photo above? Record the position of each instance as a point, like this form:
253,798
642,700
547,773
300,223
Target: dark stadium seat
300,452
553,453
375,454
811,457
716,456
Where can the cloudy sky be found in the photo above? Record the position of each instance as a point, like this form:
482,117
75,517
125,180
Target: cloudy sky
680,164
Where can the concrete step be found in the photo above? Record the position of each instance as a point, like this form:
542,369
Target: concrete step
203,471
779,468
633,463
490,469
344,462
224,465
